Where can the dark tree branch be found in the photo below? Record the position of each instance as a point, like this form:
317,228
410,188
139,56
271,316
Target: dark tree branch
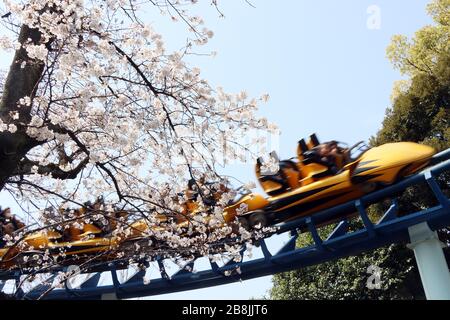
25,167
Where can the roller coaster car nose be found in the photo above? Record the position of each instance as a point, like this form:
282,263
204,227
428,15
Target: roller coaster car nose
423,151
400,153
391,161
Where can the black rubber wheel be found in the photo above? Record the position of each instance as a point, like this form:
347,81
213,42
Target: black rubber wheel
243,221
258,220
369,187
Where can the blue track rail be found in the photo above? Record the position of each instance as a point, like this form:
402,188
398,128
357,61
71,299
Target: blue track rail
340,243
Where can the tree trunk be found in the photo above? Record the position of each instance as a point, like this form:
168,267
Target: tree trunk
20,82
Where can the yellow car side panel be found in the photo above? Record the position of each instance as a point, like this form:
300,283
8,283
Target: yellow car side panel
86,246
3,252
253,201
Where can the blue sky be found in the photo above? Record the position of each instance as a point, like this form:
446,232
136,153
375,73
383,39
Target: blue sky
323,68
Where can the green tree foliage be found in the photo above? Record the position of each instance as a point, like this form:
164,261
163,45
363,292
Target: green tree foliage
347,278
420,112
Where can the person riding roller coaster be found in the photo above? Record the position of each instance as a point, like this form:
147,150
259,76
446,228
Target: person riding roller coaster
92,219
314,161
102,219
214,191
209,193
9,224
330,155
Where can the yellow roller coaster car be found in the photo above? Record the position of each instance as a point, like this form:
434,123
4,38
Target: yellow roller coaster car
307,184
300,187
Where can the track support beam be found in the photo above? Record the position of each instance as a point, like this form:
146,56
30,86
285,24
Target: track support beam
431,262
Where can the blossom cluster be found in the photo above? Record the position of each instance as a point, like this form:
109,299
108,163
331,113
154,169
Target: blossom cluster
133,121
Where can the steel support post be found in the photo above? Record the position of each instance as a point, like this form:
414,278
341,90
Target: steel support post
431,262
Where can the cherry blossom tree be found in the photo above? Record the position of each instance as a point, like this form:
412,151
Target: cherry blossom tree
94,105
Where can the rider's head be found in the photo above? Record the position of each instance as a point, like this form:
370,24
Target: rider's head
329,147
324,149
98,203
333,146
6,213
